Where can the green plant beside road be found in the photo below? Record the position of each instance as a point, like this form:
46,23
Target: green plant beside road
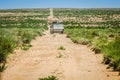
7,45
112,54
49,78
61,48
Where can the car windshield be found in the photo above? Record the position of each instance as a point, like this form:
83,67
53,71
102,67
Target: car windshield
58,26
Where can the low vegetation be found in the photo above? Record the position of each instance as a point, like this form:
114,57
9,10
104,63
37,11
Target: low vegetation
49,78
112,54
61,48
59,55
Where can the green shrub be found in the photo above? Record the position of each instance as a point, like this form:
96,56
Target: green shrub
7,45
95,33
98,43
39,33
49,78
61,48
26,46
112,54
83,41
26,38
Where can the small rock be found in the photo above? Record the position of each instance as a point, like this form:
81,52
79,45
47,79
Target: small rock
108,75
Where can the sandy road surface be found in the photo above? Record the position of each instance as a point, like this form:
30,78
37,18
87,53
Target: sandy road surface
77,62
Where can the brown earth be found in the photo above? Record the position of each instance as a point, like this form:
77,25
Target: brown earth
76,62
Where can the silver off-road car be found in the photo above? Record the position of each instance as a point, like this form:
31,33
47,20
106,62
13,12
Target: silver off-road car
56,27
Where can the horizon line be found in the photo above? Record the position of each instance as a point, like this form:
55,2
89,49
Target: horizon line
63,8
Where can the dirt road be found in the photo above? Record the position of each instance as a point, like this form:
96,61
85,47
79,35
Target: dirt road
51,12
76,62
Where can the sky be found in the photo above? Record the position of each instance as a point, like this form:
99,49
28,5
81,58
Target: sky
13,4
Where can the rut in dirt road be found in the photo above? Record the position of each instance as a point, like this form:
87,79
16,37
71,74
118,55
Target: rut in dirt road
76,62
